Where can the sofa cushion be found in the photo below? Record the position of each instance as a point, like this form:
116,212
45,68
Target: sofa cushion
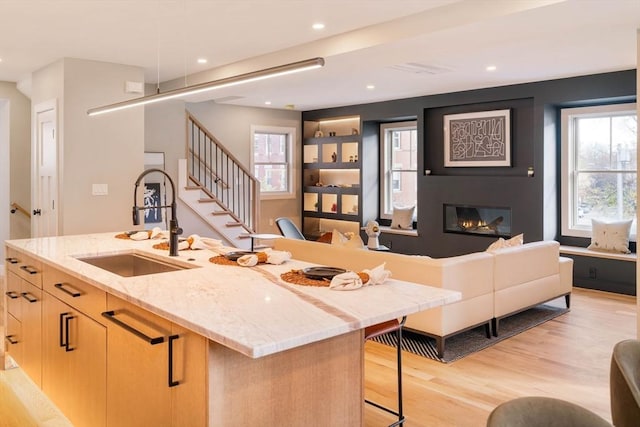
520,264
610,236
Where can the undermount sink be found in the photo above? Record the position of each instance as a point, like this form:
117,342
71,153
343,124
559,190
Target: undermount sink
131,264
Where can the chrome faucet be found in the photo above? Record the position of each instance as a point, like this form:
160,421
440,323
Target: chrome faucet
174,229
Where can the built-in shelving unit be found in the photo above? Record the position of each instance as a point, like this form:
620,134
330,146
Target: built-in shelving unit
332,180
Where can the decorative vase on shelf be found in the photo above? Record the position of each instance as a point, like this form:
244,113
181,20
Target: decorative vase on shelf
334,157
373,231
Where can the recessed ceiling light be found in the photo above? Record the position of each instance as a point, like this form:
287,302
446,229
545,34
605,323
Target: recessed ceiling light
318,26
202,60
491,68
371,87
267,102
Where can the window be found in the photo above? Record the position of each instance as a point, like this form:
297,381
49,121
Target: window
272,160
399,179
599,169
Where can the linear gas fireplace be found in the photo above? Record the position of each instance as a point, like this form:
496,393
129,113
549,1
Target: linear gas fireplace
480,220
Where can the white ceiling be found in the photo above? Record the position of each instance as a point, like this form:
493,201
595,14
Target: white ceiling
527,40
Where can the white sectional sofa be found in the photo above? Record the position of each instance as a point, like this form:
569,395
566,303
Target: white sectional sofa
493,284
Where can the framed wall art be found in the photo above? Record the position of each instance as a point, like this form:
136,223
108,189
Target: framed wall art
481,139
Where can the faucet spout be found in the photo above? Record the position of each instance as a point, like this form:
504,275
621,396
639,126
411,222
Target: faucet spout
174,229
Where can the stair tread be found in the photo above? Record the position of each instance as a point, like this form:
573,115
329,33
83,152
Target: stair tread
233,224
206,200
219,212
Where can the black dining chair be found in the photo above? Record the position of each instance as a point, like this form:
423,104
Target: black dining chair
288,229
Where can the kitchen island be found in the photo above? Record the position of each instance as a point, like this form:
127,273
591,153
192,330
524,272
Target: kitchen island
256,350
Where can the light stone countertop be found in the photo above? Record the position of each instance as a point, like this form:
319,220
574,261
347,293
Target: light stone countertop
248,309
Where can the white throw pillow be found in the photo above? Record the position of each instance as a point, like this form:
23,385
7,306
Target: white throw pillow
402,218
501,243
610,236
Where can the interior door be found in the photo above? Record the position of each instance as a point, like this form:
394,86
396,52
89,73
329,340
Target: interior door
45,205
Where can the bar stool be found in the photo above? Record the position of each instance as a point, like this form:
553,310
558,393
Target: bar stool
381,329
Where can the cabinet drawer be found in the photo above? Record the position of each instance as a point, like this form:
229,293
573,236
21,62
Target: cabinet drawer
24,266
12,295
75,292
13,338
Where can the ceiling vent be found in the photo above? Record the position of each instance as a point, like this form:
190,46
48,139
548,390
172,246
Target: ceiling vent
416,68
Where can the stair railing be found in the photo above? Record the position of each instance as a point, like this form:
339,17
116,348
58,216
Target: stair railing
221,176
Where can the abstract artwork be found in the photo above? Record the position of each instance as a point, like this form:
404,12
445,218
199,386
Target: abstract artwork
480,139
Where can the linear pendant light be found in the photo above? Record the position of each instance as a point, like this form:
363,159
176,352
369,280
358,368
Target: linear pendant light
253,76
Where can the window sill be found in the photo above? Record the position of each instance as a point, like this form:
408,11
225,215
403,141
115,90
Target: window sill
575,250
389,230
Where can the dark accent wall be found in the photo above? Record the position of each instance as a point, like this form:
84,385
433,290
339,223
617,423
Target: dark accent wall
535,139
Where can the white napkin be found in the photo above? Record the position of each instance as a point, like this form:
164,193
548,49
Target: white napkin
183,244
156,233
346,282
195,242
349,281
273,257
248,260
377,275
140,235
277,257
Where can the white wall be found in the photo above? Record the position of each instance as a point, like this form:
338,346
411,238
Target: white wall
15,179
106,149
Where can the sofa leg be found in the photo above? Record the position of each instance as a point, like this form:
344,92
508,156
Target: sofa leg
488,329
440,346
495,321
567,300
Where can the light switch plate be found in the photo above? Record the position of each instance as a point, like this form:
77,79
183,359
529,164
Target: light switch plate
100,189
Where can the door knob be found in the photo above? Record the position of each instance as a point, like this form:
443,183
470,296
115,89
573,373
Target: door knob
37,212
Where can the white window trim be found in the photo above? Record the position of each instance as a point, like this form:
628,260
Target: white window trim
568,163
291,139
385,161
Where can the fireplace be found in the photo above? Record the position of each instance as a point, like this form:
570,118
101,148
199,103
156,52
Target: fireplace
477,220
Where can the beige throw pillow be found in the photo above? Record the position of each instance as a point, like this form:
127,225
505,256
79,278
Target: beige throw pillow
501,243
402,218
610,236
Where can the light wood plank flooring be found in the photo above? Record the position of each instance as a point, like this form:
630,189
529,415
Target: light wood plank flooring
567,358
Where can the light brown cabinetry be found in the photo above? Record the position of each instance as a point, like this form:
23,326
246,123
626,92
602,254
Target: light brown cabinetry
74,349
156,371
24,313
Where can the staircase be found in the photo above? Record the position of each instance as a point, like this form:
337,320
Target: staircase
215,185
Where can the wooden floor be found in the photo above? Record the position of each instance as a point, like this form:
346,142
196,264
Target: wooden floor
567,358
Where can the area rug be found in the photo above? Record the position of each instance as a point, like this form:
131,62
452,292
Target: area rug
473,340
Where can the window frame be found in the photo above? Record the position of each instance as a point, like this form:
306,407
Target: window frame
387,145
290,133
569,164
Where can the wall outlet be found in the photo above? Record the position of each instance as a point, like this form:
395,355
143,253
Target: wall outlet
270,221
100,189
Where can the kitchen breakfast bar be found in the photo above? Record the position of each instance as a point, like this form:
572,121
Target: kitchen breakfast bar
203,344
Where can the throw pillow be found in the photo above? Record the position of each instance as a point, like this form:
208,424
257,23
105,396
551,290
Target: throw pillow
402,218
610,236
501,243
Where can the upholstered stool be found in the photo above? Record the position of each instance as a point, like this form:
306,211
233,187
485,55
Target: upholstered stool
624,384
381,329
535,411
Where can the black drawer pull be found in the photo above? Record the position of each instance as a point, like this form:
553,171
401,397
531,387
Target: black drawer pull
111,315
12,260
11,339
12,294
29,269
63,287
29,297
172,383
